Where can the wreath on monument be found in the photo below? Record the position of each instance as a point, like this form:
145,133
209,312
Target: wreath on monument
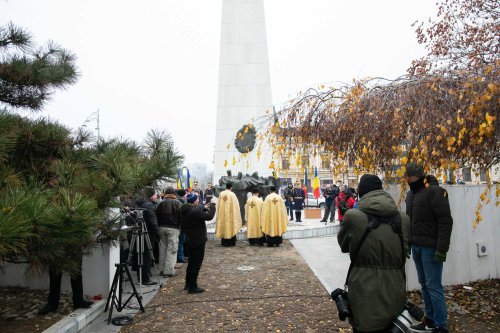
245,139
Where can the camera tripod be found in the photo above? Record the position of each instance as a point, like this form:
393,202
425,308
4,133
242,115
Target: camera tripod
116,301
140,242
139,237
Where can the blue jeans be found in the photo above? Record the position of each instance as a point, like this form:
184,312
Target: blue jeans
180,249
429,274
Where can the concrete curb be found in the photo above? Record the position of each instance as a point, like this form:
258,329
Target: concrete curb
306,232
77,319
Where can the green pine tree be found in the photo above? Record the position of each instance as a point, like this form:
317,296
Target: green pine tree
57,190
29,75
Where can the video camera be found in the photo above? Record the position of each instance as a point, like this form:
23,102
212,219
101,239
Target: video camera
132,215
342,302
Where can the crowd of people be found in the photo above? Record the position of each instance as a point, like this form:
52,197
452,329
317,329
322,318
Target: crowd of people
176,229
378,237
338,199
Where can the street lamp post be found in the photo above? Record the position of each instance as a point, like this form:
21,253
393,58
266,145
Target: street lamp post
94,116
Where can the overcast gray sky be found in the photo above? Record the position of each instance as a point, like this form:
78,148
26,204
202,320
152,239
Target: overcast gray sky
154,64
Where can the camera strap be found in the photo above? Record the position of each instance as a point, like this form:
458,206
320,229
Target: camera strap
373,223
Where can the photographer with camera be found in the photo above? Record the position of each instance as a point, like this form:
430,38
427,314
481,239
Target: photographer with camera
331,192
148,203
193,222
376,237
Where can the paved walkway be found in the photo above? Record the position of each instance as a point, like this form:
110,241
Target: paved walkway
315,251
285,289
248,289
325,259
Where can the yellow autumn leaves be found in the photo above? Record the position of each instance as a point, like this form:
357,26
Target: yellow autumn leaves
444,123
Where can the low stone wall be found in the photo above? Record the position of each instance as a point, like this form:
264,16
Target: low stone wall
464,262
98,270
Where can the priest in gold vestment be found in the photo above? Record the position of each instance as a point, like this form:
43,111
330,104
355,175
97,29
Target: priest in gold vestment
253,212
274,218
228,218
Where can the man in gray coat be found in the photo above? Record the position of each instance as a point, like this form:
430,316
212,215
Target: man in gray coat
377,285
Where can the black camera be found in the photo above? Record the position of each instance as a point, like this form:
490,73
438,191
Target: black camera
342,302
411,314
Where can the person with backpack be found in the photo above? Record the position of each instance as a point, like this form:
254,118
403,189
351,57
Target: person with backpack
343,202
376,235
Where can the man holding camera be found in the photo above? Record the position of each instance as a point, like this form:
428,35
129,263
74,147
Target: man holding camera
193,222
431,223
330,193
376,235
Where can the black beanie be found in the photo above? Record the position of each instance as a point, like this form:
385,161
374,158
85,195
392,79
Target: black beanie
369,183
149,191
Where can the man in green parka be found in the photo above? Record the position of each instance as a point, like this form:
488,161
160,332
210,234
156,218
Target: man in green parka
376,284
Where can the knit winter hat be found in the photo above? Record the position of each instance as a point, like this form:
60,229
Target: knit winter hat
414,169
181,192
369,183
191,198
149,191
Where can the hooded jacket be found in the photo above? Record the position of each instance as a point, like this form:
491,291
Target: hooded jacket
377,286
430,215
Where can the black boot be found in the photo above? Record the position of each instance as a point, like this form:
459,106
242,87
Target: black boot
48,308
195,290
83,304
298,216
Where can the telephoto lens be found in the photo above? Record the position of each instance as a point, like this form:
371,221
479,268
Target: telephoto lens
340,298
411,314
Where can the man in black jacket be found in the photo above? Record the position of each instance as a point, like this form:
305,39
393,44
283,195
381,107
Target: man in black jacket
193,223
168,214
431,223
330,193
148,203
288,193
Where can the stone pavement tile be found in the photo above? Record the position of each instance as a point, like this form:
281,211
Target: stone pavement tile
248,289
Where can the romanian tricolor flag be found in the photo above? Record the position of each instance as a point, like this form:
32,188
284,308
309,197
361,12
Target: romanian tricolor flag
316,183
179,185
189,182
305,181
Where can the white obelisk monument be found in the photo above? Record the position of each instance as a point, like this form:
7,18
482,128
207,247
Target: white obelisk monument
244,85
